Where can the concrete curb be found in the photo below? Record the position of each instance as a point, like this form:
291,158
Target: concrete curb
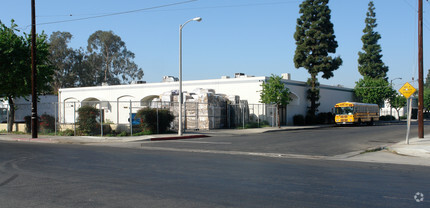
295,128
177,137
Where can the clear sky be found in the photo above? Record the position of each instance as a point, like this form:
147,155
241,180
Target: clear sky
250,36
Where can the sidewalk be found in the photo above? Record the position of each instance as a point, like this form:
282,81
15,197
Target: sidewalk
416,148
154,137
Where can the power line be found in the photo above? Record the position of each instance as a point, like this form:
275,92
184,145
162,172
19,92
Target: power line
416,10
238,5
410,5
195,8
116,13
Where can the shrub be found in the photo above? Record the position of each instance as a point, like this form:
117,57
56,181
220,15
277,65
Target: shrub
310,119
107,129
387,118
87,120
67,132
28,124
148,119
325,118
264,123
145,132
256,124
298,120
47,123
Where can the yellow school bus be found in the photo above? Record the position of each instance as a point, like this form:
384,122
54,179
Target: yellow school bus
356,113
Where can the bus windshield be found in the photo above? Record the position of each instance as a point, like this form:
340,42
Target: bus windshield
344,110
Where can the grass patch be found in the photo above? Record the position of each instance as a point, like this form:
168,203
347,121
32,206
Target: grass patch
377,149
12,132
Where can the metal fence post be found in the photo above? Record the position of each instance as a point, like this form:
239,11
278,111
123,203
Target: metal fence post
131,121
117,111
228,116
7,117
101,119
258,115
55,121
184,114
197,115
158,130
74,118
243,117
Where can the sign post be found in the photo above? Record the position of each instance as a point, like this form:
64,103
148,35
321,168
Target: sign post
407,90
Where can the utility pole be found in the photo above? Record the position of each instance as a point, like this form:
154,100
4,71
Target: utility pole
420,71
33,72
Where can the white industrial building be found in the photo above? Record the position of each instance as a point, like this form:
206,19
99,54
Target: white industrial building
115,101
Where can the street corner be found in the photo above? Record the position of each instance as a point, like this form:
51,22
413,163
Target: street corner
415,151
416,147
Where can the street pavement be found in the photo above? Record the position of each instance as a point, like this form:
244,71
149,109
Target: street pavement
417,152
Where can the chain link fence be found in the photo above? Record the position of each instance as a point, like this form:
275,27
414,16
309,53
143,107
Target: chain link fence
120,116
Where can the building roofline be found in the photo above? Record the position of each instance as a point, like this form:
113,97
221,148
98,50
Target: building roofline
196,82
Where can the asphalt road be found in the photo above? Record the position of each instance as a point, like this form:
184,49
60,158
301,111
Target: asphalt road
58,175
316,142
46,175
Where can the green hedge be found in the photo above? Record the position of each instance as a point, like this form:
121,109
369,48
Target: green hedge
387,118
87,120
148,120
321,118
298,120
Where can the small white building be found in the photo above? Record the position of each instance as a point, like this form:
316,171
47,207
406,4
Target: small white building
386,110
115,101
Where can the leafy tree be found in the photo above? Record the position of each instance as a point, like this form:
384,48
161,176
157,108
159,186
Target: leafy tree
12,59
116,61
370,60
315,39
376,91
63,59
427,82
87,68
427,99
15,67
274,92
397,102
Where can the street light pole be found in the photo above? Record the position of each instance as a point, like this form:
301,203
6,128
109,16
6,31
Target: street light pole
198,19
391,109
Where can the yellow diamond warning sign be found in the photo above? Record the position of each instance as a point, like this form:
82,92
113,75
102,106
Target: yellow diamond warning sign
407,90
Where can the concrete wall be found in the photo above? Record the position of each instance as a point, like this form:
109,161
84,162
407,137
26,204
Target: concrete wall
16,127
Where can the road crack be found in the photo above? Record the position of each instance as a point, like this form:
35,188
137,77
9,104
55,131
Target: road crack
10,179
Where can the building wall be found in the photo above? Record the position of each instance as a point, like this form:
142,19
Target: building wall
387,110
47,104
115,100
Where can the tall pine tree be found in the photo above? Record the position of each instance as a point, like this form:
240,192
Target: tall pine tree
370,60
315,39
373,87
